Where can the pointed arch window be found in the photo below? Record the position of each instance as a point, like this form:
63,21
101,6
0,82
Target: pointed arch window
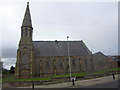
30,33
61,64
73,63
25,32
47,64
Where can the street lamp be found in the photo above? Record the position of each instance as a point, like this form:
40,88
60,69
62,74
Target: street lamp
69,57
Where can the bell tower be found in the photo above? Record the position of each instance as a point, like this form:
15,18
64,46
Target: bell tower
25,64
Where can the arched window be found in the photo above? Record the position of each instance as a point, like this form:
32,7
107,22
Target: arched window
73,63
79,61
54,66
80,64
61,64
25,32
47,64
30,33
25,58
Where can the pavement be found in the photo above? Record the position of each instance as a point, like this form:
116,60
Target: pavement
80,83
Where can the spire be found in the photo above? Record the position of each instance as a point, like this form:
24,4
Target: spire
27,17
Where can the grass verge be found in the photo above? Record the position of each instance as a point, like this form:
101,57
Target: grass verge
12,79
103,71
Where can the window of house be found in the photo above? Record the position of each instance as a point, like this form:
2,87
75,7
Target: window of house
79,64
54,66
79,60
67,68
61,64
67,61
54,63
47,64
73,63
30,33
25,32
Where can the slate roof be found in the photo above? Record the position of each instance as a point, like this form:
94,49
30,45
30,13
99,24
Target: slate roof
27,17
59,48
99,54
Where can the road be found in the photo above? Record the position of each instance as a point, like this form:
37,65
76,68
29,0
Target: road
112,84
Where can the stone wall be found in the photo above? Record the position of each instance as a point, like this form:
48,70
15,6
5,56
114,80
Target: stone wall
60,65
100,61
45,66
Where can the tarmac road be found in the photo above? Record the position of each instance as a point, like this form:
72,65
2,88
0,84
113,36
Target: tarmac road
112,84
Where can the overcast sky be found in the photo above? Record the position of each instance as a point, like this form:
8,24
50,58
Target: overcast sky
96,23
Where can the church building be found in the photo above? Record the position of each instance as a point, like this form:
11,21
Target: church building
43,58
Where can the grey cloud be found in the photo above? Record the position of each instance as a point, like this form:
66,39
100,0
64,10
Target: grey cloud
9,52
8,62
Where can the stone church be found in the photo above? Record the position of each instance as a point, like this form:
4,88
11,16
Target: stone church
43,58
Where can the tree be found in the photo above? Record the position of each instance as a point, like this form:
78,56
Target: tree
5,71
12,70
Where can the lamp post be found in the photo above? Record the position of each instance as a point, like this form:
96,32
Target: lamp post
69,57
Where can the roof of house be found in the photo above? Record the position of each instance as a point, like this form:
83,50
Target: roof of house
98,53
60,48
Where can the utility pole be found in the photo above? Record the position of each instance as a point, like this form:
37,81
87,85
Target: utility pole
69,57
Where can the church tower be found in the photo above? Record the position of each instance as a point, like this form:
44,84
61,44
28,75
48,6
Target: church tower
26,29
25,63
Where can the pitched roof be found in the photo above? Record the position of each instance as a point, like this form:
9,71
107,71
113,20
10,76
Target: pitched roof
27,17
98,53
59,48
